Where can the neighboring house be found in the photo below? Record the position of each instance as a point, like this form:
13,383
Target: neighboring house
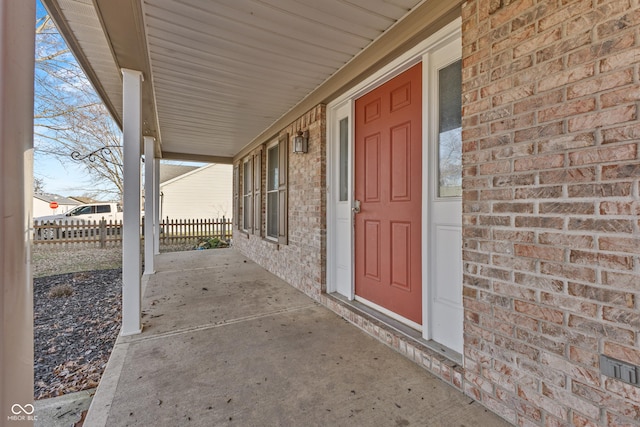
200,193
470,194
84,200
42,204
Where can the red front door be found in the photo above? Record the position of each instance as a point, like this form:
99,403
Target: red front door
388,185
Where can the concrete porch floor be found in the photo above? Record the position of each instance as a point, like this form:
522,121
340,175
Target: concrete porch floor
227,343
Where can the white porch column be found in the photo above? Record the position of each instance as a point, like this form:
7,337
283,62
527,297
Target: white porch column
149,203
17,39
157,219
132,138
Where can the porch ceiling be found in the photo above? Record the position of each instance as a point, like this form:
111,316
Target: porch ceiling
219,73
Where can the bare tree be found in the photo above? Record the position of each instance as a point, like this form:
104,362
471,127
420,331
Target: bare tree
70,117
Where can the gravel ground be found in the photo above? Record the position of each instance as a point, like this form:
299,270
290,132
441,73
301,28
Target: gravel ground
77,300
76,322
48,260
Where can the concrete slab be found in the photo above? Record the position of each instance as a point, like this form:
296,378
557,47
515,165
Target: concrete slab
62,411
252,351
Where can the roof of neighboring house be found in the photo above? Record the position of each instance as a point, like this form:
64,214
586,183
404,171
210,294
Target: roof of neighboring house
169,172
47,197
187,174
84,200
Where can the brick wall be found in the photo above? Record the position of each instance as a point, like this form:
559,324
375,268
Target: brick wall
302,262
551,205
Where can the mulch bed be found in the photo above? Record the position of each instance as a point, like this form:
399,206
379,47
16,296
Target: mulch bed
77,319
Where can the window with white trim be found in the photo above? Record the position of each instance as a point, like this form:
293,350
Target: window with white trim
247,195
276,190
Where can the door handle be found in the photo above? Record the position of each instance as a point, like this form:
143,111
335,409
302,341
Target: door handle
356,206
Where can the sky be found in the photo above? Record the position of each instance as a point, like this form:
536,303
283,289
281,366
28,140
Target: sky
67,177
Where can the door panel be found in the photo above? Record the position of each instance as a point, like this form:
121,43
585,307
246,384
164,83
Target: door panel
445,210
388,182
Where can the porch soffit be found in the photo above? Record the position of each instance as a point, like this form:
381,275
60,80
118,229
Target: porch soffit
220,75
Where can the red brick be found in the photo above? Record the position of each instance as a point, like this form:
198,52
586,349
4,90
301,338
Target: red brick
573,208
570,336
615,420
625,95
567,240
604,118
495,168
598,50
567,109
599,329
602,83
624,390
620,60
539,252
567,44
512,207
580,373
623,317
620,244
591,410
548,130
539,312
533,44
539,222
618,24
514,150
621,133
584,357
537,282
565,14
620,352
624,171
619,208
606,296
601,225
609,153
568,303
521,96
569,271
622,189
567,142
547,192
539,163
568,175
513,235
513,290
495,221
561,79
605,399
514,180
517,122
508,11
619,280
544,343
580,421
616,262
549,405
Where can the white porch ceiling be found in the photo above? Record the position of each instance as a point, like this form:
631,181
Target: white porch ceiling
219,72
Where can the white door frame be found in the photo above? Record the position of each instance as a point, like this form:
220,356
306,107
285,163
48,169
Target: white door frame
344,105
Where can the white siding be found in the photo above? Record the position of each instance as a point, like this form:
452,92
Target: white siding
41,208
203,193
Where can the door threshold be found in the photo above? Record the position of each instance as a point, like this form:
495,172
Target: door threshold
388,313
406,331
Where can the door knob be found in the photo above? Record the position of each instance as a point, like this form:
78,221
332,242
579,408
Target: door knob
356,206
